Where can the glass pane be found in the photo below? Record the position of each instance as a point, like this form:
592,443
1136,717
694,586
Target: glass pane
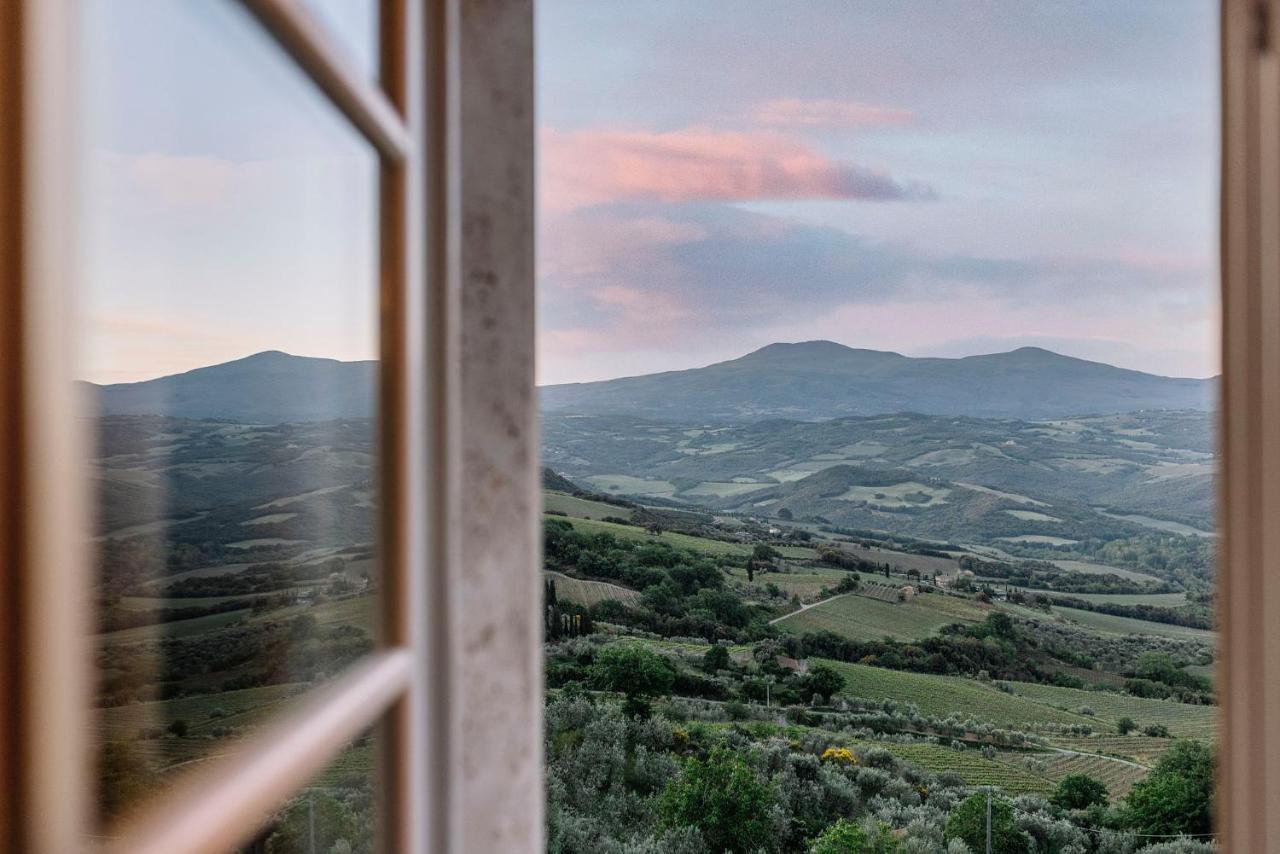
229,337
334,814
353,24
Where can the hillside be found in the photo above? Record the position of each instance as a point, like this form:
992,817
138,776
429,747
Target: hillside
265,388
821,379
951,477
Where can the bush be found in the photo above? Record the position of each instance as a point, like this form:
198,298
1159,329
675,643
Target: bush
1126,725
722,797
716,658
968,823
637,672
1078,792
1175,797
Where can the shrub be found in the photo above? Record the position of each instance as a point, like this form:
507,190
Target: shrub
1078,792
722,797
968,823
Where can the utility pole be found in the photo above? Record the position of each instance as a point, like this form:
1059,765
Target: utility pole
988,821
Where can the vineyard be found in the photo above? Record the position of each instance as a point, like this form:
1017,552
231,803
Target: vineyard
944,696
1183,721
586,592
1142,749
1118,776
860,618
807,583
971,766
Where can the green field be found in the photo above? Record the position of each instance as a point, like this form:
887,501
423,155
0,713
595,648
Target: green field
1163,600
972,767
177,628
861,618
942,696
581,507
229,708
1183,720
1142,749
806,582
586,592
1117,775
684,541
1110,624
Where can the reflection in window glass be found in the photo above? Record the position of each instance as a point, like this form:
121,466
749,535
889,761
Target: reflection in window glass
334,814
230,281
353,24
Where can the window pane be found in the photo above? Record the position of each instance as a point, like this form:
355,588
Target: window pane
353,24
334,813
230,275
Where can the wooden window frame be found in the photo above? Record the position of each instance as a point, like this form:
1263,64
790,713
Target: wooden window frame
46,753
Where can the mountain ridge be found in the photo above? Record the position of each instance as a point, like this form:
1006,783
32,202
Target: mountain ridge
793,380
806,381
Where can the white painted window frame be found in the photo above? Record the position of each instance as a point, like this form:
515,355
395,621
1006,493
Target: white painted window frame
405,686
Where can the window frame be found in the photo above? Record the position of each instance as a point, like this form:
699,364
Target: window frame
46,753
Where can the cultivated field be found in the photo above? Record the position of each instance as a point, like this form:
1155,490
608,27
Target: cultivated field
862,618
1183,720
582,508
943,696
586,592
684,541
1111,624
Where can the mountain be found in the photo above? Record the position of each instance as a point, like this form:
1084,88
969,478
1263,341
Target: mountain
925,475
817,380
268,388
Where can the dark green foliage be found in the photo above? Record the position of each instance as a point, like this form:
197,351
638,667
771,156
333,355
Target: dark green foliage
716,658
968,822
634,671
724,799
1126,725
1176,796
825,681
1078,792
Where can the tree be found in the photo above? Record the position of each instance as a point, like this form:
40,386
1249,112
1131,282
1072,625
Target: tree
1175,797
1126,725
846,837
765,553
716,658
825,681
784,513
725,800
751,571
968,823
637,672
1078,792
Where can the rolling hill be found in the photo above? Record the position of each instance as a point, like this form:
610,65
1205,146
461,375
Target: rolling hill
265,388
817,380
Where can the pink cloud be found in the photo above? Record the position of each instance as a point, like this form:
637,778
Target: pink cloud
797,112
699,164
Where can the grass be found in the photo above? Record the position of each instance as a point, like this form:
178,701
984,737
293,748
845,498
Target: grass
806,583
1183,720
1111,624
582,508
943,696
684,541
861,618
1164,600
1142,749
970,765
1117,776
177,628
202,713
586,592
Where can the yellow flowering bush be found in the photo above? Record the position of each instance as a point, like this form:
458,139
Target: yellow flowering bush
839,755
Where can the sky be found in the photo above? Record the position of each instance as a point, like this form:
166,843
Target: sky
937,178
228,209
933,177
